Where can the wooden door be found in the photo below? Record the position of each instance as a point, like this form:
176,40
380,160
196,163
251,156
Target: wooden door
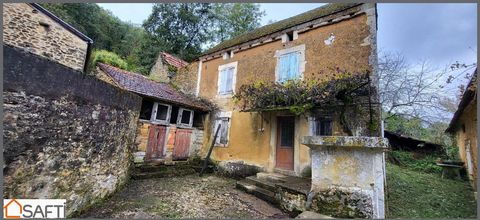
285,142
182,144
156,141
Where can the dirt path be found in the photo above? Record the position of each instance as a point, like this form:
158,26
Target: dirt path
184,197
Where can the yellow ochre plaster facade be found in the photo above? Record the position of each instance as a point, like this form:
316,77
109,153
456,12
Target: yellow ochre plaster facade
252,136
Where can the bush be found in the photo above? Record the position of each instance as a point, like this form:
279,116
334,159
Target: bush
407,159
110,58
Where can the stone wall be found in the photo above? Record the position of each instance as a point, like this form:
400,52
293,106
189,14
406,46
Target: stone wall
159,71
186,78
348,175
66,135
28,28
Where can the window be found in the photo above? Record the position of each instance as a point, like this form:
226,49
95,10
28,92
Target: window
155,112
289,68
185,117
146,110
290,63
226,78
227,55
224,122
162,112
321,126
290,36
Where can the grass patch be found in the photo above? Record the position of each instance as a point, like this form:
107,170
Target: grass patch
414,194
419,162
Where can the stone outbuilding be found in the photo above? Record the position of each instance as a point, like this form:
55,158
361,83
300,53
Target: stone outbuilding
33,28
464,127
165,67
170,126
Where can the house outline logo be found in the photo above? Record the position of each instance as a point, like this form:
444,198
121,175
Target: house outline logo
5,209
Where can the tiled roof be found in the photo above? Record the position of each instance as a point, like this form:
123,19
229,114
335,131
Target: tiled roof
316,13
141,85
469,95
174,61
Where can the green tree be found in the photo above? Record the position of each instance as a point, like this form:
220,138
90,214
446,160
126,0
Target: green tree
233,19
180,28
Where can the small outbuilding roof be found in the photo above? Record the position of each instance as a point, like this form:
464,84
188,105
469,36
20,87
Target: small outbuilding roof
283,24
402,142
469,95
143,86
173,60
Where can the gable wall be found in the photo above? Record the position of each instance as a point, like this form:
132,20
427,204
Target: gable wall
22,27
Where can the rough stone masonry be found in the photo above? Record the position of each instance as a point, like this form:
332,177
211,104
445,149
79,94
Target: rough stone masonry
66,135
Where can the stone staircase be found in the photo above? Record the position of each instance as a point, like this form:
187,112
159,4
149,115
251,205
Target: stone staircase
277,189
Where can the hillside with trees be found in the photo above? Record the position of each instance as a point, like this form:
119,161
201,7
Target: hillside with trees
182,29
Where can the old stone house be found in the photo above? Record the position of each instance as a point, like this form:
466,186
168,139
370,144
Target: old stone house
165,67
33,28
170,124
464,127
340,149
306,46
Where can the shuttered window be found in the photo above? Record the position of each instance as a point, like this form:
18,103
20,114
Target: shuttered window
226,81
222,137
289,67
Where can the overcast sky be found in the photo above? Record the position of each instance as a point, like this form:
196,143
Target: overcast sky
440,33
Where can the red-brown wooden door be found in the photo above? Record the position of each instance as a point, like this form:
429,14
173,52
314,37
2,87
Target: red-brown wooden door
285,142
182,144
156,141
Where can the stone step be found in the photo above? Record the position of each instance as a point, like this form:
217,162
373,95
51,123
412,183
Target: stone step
260,193
159,168
312,215
209,169
276,177
268,185
163,173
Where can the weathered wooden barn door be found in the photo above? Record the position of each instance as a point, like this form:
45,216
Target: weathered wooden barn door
182,144
156,141
285,142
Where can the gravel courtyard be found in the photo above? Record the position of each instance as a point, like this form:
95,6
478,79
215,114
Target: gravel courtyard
190,196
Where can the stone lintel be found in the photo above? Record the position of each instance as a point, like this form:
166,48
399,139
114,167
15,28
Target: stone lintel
316,142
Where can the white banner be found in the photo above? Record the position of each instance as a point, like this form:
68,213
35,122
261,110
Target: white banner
34,208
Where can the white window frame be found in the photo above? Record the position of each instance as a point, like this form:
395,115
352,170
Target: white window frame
179,118
220,116
153,118
234,78
301,59
312,120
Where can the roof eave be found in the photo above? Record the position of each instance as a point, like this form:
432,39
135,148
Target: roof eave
210,53
62,23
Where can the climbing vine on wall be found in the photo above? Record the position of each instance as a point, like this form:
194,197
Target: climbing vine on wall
349,94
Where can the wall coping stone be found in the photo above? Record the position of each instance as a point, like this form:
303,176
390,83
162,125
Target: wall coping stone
316,142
